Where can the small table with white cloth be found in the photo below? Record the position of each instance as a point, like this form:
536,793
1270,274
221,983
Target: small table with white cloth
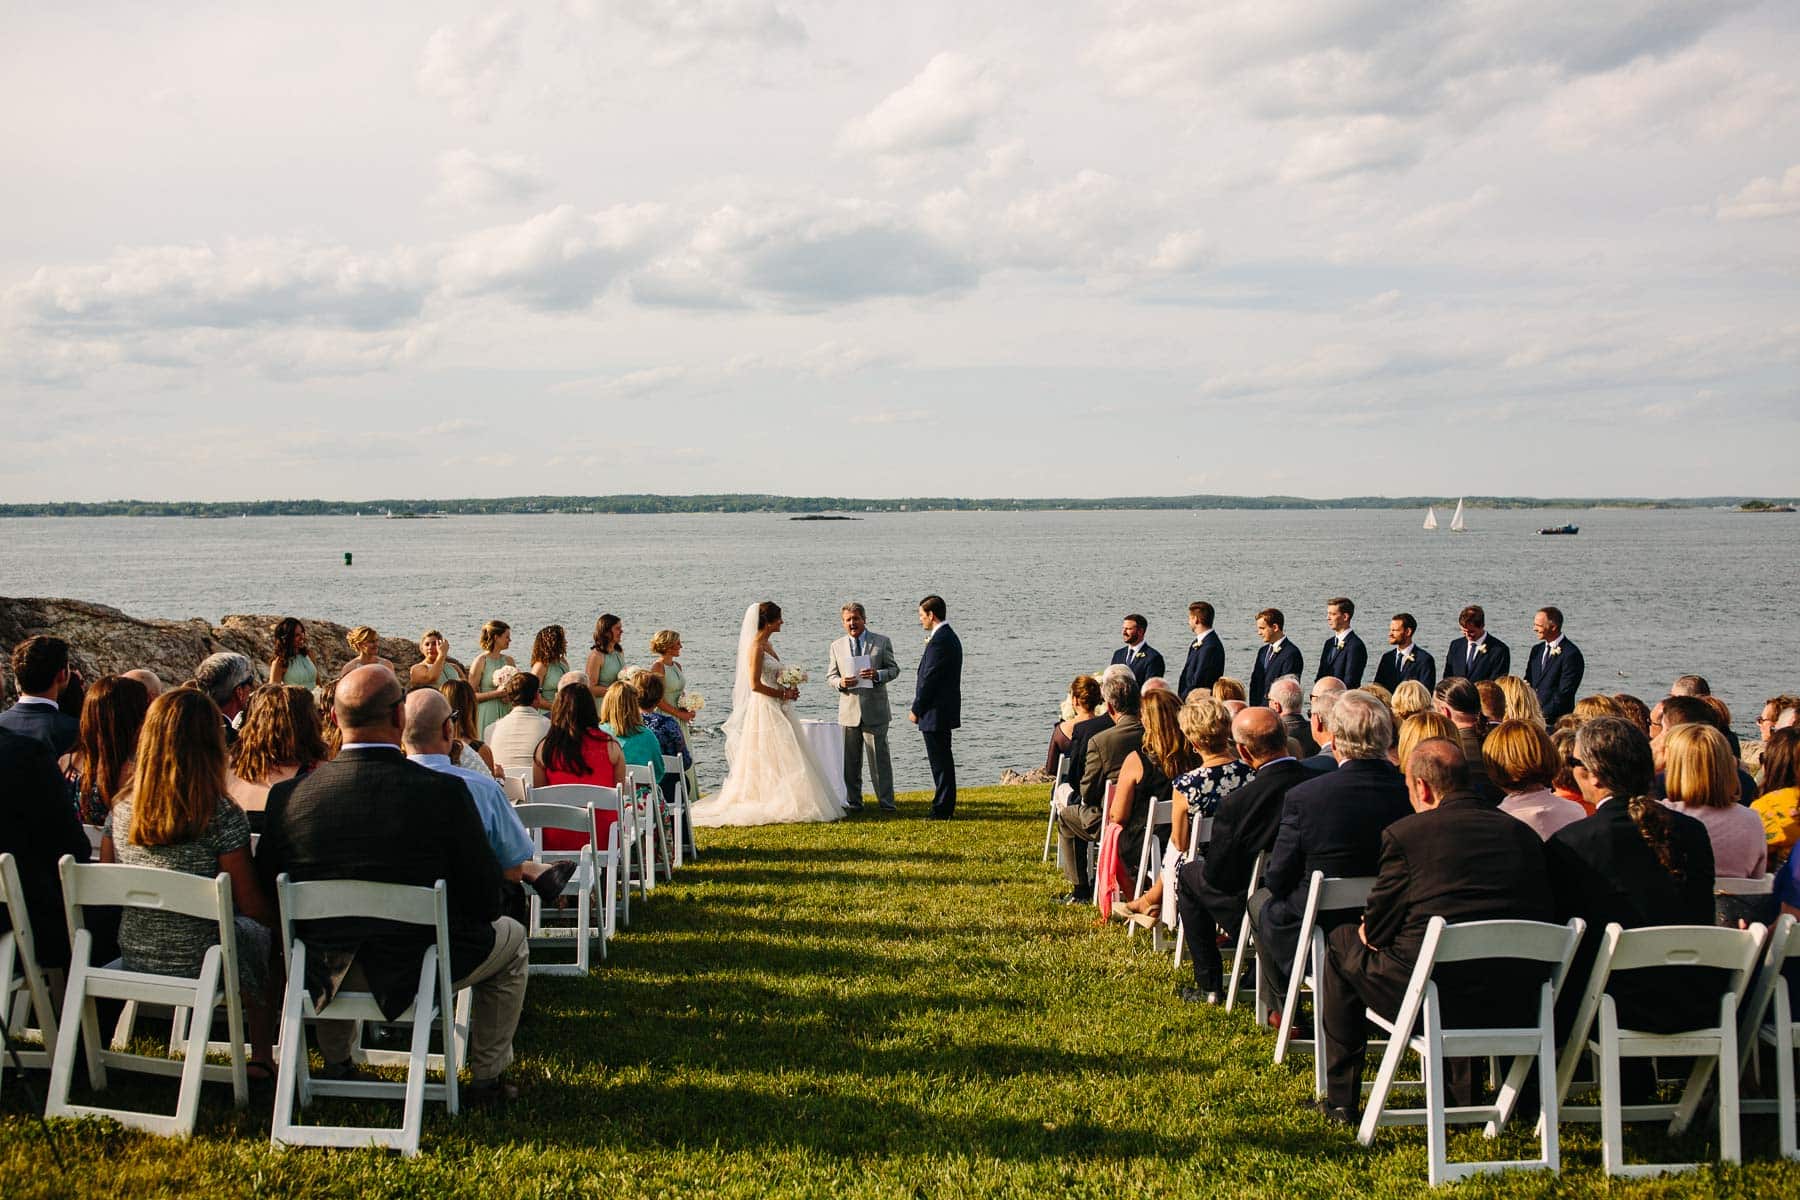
826,739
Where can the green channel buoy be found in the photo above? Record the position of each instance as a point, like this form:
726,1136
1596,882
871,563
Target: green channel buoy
346,558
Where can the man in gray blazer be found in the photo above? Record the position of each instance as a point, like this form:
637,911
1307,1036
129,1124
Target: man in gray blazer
863,710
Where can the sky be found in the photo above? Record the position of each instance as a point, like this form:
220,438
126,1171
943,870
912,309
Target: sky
1045,248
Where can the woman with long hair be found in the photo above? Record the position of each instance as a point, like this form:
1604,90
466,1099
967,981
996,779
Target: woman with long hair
1700,779
1521,701
1521,760
623,718
282,738
1779,804
292,664
435,666
496,636
112,717
575,749
470,752
606,656
1147,776
549,661
177,817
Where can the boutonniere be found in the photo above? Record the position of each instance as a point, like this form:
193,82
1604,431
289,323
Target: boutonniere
1480,650
1555,650
1405,659
1340,643
1137,654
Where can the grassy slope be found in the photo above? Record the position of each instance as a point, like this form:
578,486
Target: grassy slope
878,1008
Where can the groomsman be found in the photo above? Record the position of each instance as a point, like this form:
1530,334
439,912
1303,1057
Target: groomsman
1477,655
937,703
1206,657
1344,657
1406,660
863,705
1142,659
1277,657
1555,667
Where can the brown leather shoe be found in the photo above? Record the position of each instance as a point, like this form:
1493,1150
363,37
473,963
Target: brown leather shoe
482,1093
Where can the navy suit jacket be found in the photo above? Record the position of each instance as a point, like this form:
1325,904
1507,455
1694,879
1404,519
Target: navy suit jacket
1205,663
937,697
1269,668
1497,660
1555,678
1347,664
1147,663
1390,674
45,722
1333,823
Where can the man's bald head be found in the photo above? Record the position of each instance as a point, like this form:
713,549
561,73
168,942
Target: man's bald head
367,705
1259,735
148,678
426,712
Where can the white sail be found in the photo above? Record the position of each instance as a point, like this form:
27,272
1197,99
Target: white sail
1430,517
1456,522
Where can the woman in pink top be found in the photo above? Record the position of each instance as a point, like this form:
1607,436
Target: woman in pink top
1521,760
1700,780
576,750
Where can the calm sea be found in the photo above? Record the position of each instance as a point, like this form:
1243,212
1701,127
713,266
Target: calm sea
1036,597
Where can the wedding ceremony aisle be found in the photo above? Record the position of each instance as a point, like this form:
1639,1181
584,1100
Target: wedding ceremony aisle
883,1006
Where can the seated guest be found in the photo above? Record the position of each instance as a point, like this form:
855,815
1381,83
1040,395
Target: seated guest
1564,784
1493,700
435,666
1209,892
367,644
470,751
227,679
1285,699
1589,707
1137,655
513,738
1407,661
621,717
1216,773
1409,698
1325,694
1458,700
1079,736
549,661
1701,782
1278,656
576,750
1779,804
1522,702
281,739
1330,823
112,717
1675,711
1084,699
1421,727
147,677
1226,688
1106,751
1696,685
1633,710
1147,777
37,827
1457,858
176,816
369,814
649,690
41,667
1521,760
292,665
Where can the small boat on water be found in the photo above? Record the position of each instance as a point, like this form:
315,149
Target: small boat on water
1456,522
1564,530
1430,517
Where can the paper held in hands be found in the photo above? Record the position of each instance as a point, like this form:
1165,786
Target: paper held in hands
858,664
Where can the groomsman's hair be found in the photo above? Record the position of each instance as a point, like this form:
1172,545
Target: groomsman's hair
1553,615
1406,619
1273,617
1142,624
935,606
856,608
1203,610
1343,604
1472,615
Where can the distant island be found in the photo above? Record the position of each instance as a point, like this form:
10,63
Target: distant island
836,507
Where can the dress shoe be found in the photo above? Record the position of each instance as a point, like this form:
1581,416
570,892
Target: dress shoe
1193,995
890,808
484,1092
1075,898
1334,1113
937,816
550,883
857,807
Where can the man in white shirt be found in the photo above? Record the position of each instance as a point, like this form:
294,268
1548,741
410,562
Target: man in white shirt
41,666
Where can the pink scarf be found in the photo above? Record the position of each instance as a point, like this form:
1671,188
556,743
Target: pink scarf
1106,872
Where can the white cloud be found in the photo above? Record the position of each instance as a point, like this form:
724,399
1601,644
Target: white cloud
468,66
1762,199
1355,146
1701,94
694,25
468,180
1435,219
941,108
555,261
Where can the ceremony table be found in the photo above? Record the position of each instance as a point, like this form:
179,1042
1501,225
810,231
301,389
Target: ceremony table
827,741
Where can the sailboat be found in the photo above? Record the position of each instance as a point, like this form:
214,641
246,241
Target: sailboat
1456,522
1430,517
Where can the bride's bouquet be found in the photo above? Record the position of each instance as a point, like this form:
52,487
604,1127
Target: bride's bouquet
792,677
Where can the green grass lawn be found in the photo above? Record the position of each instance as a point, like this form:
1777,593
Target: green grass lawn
880,1007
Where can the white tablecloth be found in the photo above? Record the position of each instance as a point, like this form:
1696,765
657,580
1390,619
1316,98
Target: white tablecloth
827,741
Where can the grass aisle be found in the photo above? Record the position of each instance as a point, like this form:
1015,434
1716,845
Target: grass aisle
880,1007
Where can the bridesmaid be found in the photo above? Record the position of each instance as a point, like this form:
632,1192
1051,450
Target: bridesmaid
292,664
549,661
496,636
607,658
367,644
437,667
666,645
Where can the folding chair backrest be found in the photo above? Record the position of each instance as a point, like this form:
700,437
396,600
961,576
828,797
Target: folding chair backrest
323,899
1062,769
1337,895
517,789
672,764
1686,946
1781,946
555,816
95,835
1161,812
1531,941
12,898
642,774
1726,886
576,795
114,884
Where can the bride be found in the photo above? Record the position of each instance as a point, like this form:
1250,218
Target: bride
771,775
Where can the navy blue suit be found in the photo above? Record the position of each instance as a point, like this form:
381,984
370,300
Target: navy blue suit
1272,665
1390,674
1555,678
45,722
1491,662
1145,663
1347,664
937,703
1205,663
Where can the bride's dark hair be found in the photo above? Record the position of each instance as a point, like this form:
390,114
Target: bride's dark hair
767,613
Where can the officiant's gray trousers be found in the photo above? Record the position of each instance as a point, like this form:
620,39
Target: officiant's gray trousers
881,767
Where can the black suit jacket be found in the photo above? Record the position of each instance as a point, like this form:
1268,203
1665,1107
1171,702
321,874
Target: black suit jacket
1555,678
1390,674
1245,825
1299,729
1270,667
1079,737
45,722
38,826
1320,763
1146,663
1205,663
1333,823
937,695
370,814
1347,664
1494,661
1106,753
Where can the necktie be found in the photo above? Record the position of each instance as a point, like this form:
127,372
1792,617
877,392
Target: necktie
856,644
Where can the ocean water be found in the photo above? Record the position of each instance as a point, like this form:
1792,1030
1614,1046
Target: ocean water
1036,597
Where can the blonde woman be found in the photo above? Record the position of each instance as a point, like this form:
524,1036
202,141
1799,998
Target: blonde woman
367,644
436,667
1521,701
621,717
1700,779
1411,697
1422,727
496,637
1522,761
1216,773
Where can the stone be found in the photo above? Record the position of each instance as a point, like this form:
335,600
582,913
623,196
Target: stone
1011,778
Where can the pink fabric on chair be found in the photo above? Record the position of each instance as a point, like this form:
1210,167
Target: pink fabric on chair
1106,871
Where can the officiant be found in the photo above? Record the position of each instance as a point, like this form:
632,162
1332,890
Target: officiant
862,665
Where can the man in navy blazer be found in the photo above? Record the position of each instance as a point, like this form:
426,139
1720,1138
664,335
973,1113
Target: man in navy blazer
1277,657
1477,655
1206,657
1555,667
1344,656
937,703
1142,659
1407,660
41,666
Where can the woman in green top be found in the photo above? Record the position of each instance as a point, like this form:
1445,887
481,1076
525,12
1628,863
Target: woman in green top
620,716
496,636
436,668
607,658
292,664
549,661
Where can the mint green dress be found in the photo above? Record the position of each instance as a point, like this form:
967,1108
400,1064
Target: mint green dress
490,711
553,673
611,663
301,672
674,687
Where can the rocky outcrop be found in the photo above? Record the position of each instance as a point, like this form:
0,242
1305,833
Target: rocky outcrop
1010,777
106,641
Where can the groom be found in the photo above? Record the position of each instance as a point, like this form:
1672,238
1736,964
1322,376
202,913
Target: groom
863,705
937,703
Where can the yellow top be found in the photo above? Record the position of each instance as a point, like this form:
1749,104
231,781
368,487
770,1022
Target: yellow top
1780,813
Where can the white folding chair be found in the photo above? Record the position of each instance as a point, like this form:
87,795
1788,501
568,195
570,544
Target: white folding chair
1199,834
1323,896
25,992
432,1004
1733,950
1056,807
1246,946
648,802
575,818
1492,942
678,809
95,834
87,885
1162,812
1766,1017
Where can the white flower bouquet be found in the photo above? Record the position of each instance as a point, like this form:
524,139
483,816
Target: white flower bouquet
504,676
693,702
792,677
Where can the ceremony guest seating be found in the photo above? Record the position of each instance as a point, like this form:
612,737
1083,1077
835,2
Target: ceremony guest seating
25,992
1767,1019
571,806
1323,896
1750,899
653,853
1056,807
1433,1043
1246,946
679,818
95,884
1199,834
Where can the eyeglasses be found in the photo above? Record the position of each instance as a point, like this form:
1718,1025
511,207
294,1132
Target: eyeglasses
1576,762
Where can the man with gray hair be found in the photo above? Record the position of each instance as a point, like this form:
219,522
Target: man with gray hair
1079,825
1325,693
229,679
1285,698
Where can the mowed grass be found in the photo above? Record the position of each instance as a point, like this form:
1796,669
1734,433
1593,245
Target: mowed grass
880,1007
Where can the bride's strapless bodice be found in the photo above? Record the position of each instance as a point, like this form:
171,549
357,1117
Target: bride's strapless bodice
771,668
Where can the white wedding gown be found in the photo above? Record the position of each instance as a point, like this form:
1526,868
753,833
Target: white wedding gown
771,775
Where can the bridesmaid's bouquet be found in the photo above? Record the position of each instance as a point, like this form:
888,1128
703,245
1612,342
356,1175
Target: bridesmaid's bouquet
792,677
693,702
504,676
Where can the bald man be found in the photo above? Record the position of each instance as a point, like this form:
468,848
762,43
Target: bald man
148,678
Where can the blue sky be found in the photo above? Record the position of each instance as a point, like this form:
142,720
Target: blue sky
1325,247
